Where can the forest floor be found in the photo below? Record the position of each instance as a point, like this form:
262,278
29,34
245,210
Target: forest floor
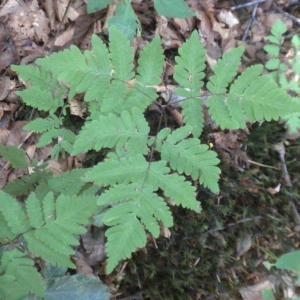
220,253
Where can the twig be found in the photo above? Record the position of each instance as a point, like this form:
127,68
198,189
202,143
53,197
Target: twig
58,30
261,165
280,10
292,197
281,151
250,23
251,3
242,221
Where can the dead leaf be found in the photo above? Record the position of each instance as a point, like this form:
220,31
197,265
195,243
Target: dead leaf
6,85
170,37
8,53
228,18
77,108
243,244
94,247
26,20
255,292
62,8
65,37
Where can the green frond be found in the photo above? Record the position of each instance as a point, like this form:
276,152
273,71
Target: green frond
145,210
48,225
68,183
43,90
40,125
224,71
122,243
121,55
124,170
180,191
24,185
151,63
252,97
129,132
13,214
15,156
6,234
68,66
97,80
125,20
187,155
57,234
20,277
189,74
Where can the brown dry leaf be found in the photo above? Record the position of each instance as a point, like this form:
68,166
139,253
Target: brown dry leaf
26,20
94,247
243,244
4,133
255,292
275,190
8,53
49,8
77,108
60,9
65,37
170,37
228,18
4,174
81,265
17,134
184,26
6,85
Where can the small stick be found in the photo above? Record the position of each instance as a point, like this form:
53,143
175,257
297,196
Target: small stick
250,23
240,6
280,10
261,165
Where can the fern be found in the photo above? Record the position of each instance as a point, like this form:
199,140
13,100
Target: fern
134,201
129,131
285,72
48,226
189,74
187,155
252,96
142,175
19,277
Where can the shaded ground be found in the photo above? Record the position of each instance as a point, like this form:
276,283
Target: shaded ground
254,219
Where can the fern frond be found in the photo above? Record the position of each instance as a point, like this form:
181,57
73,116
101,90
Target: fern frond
252,97
6,234
121,55
124,170
43,90
20,276
145,210
189,74
187,155
97,80
13,214
40,125
151,63
224,71
69,183
54,239
122,243
68,66
49,226
129,131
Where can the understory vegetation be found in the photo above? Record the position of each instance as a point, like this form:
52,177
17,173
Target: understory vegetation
150,181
